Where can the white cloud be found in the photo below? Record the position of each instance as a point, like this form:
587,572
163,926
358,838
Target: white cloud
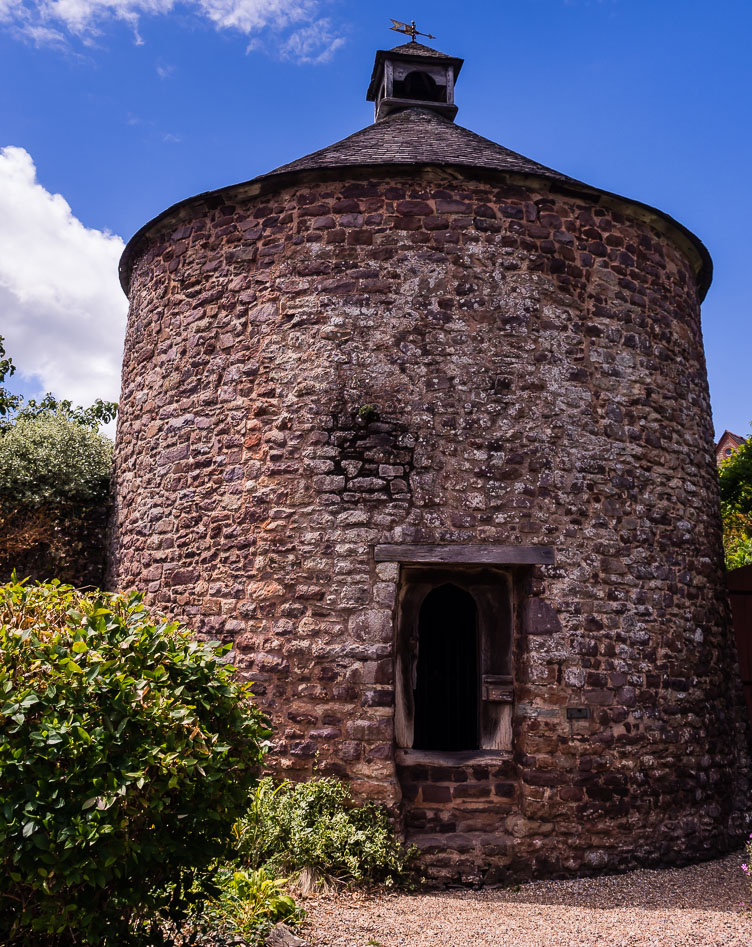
299,32
62,310
315,43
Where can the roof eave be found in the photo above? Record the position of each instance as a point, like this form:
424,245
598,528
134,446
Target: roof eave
687,241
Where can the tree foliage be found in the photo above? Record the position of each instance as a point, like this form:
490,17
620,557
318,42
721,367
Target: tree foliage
54,484
51,460
8,402
101,412
126,753
736,506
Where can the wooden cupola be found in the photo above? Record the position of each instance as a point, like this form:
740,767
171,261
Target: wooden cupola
413,76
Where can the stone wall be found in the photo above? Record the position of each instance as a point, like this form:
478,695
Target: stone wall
425,358
53,543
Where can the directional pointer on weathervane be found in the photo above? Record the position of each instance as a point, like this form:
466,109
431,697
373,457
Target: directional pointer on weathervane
409,30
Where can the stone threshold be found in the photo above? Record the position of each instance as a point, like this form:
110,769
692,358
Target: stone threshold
449,758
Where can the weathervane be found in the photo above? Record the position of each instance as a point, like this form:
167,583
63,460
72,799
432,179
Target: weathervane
409,30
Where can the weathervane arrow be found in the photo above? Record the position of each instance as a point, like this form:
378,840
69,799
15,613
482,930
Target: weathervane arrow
409,29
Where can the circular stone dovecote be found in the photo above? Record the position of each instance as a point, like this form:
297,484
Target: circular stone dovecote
428,437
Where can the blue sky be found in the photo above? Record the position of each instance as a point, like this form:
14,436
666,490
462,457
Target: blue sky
122,107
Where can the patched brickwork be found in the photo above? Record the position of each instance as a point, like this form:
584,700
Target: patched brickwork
430,356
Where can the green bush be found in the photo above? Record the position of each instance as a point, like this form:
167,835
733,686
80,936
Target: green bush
126,754
315,827
736,506
53,461
250,902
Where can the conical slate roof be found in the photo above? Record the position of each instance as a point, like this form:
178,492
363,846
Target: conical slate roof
418,136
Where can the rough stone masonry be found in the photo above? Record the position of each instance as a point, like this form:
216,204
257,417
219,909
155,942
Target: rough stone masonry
432,354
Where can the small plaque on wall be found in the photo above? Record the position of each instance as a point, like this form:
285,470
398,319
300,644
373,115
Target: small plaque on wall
578,713
498,689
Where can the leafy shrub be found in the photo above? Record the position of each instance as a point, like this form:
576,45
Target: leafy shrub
250,902
54,485
126,754
315,827
51,460
736,506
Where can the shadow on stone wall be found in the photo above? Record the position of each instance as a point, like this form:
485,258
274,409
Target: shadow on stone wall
47,543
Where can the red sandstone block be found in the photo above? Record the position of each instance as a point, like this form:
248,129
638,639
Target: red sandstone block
338,285
413,208
602,697
370,730
349,750
470,791
487,226
325,734
315,268
363,190
314,210
359,238
409,792
346,206
174,454
536,777
433,222
305,748
376,286
453,207
379,751
430,792
404,223
378,698
571,794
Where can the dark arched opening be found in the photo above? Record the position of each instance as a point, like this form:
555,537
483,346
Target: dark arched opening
446,687
421,86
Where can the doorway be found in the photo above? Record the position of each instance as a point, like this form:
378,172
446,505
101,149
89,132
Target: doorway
447,680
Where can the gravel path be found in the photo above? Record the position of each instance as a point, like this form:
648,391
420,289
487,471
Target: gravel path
677,907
